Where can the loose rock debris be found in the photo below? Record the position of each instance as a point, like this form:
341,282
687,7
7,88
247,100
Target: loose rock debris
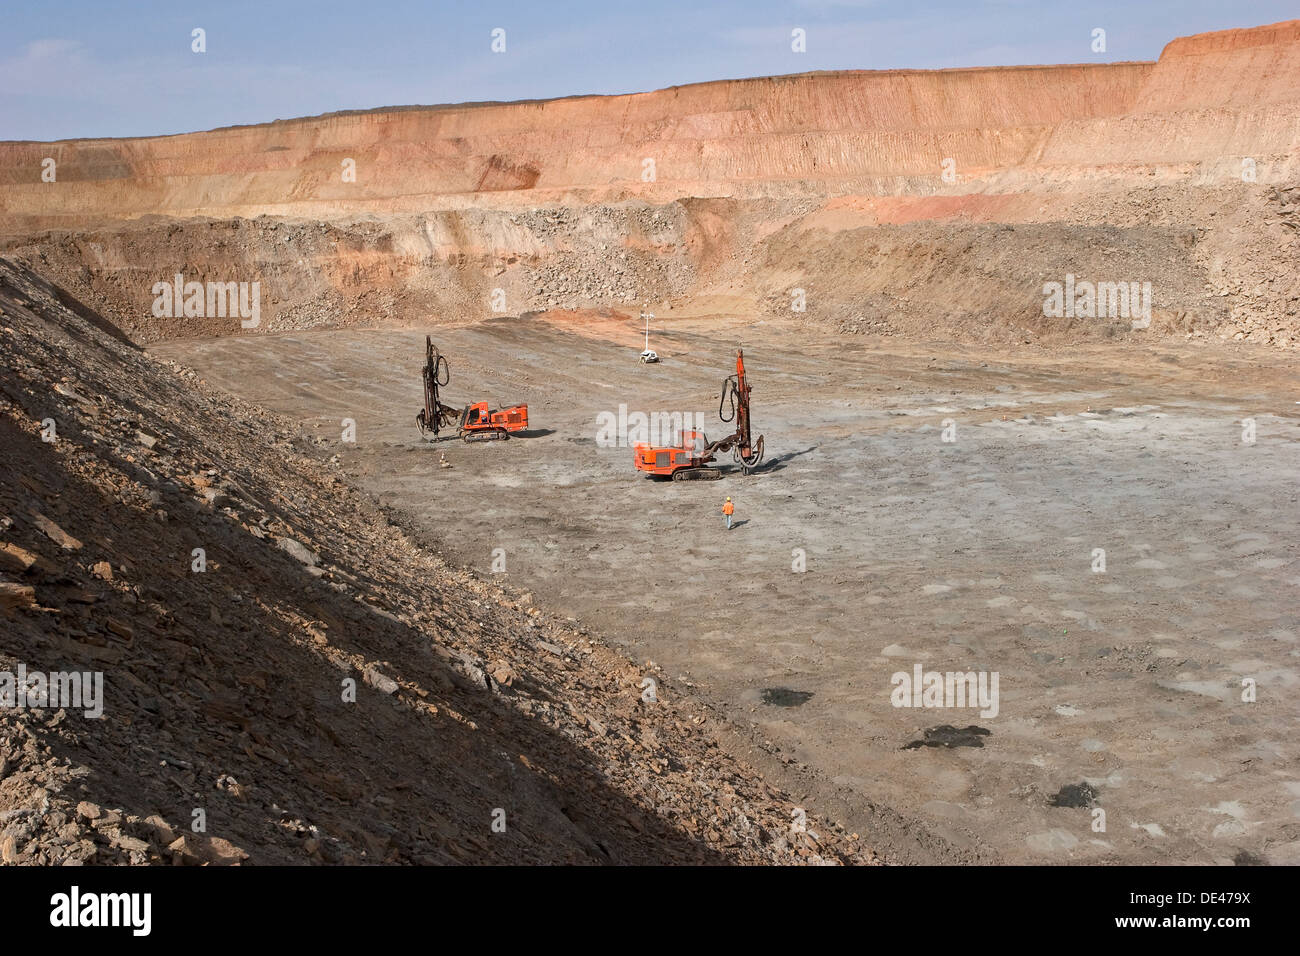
1075,795
946,735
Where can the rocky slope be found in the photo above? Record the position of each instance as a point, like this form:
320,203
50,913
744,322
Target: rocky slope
1220,262
225,688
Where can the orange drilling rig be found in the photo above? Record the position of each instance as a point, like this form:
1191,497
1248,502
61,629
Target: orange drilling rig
689,461
474,422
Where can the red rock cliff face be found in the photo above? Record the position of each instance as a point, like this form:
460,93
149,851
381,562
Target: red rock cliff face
823,128
1208,101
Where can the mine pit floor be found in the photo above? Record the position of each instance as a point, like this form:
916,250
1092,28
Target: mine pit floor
970,555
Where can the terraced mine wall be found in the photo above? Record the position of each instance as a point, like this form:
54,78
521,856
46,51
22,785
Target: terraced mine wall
939,203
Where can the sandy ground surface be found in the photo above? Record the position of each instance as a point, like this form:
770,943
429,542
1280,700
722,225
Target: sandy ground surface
976,554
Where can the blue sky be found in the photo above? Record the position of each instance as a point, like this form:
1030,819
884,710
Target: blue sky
99,68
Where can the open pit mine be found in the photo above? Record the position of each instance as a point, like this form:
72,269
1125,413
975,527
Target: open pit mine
846,467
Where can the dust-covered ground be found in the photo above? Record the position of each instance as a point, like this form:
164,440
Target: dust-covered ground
1125,680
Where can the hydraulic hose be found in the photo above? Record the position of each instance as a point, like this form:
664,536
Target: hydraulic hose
730,388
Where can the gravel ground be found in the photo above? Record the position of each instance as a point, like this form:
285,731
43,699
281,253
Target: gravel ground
1119,690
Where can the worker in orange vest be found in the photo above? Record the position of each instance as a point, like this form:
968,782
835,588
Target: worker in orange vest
728,509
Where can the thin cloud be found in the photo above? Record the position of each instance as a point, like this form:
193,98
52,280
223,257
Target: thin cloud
51,48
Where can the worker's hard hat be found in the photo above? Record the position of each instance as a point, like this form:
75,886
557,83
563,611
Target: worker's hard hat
728,499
